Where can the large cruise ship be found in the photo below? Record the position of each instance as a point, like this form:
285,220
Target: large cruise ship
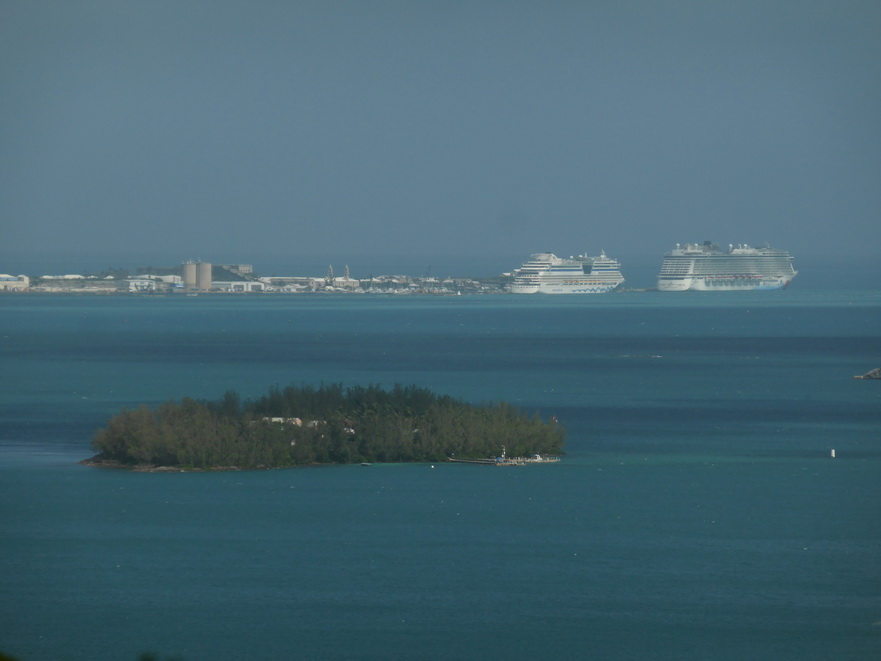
706,267
545,273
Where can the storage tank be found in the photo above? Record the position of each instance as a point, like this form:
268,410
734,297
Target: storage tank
203,276
189,275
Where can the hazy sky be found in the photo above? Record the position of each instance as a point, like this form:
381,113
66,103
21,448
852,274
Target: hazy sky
245,130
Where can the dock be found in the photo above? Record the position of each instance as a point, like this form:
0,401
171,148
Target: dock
508,461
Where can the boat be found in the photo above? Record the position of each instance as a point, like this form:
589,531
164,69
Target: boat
707,267
545,273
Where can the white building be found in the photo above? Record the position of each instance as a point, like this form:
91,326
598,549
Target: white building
241,269
240,286
144,284
14,282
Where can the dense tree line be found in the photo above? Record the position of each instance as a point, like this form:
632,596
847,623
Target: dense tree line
328,424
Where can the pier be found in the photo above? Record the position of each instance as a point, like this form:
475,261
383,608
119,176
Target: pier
504,460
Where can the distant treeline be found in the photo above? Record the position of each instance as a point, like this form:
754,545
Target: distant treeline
306,425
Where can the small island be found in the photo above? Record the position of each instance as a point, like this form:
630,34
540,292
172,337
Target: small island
305,425
872,374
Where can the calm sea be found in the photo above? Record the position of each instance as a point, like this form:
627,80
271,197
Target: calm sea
697,513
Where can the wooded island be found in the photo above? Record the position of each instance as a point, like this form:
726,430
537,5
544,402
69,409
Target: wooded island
298,426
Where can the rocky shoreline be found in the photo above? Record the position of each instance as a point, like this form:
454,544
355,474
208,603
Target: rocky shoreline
99,462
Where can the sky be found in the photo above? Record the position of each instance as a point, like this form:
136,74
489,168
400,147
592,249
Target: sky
434,134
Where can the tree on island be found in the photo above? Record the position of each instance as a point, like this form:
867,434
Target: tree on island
304,425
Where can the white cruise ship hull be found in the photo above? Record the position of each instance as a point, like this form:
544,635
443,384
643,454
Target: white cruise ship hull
706,267
565,288
545,273
722,284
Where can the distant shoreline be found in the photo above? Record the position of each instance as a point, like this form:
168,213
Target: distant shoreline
98,462
479,288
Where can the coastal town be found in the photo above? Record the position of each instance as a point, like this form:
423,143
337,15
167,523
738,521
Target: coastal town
198,277
695,267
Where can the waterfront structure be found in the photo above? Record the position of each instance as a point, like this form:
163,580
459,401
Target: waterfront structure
14,282
346,282
65,284
197,275
239,269
706,267
545,273
189,275
150,283
139,285
238,286
203,276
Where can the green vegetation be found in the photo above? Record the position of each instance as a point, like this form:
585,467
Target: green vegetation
297,426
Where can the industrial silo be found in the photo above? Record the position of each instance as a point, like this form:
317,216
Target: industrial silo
203,276
189,275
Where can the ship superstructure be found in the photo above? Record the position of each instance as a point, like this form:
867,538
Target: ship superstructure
545,273
707,267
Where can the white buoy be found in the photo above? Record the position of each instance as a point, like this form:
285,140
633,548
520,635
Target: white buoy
833,453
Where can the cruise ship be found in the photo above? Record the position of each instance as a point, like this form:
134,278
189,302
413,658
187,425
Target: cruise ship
545,273
706,267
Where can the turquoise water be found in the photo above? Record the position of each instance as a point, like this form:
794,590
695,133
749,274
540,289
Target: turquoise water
697,513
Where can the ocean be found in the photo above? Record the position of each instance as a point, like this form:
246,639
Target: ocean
696,514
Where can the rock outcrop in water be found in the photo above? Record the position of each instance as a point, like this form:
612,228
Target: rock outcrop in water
874,374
